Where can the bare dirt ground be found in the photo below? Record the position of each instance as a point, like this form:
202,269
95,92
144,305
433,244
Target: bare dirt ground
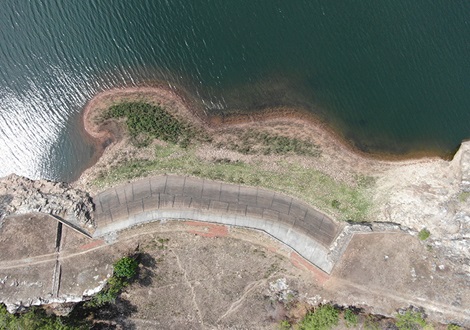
203,276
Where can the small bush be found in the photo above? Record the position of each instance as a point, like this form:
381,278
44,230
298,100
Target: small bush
284,325
454,327
424,234
126,268
350,318
410,320
323,318
146,121
36,318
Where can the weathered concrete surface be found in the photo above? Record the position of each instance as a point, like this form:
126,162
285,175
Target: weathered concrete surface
43,262
294,223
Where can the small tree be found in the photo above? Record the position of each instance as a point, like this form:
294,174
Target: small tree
126,268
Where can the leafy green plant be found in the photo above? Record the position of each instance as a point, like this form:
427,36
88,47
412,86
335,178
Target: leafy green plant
424,234
124,270
350,318
126,267
284,325
35,318
453,327
323,318
410,320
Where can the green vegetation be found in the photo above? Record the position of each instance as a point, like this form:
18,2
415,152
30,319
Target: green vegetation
424,234
284,325
463,196
256,142
454,327
124,270
410,320
36,318
307,184
350,318
323,318
146,121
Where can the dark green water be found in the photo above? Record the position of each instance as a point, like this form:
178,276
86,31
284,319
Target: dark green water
391,76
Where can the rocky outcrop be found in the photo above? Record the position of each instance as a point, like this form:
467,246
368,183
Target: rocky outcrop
20,195
434,195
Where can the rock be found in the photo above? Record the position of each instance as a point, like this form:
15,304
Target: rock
20,195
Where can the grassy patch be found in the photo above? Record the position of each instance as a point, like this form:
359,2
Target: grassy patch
424,234
463,196
310,185
253,142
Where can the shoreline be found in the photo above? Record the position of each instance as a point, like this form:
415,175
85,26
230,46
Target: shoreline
185,106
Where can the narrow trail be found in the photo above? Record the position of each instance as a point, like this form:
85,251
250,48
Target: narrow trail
188,283
403,298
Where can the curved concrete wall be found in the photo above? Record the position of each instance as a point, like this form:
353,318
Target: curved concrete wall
293,222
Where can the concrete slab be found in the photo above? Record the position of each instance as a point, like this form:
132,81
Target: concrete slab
119,212
107,200
270,215
157,184
229,193
121,195
183,202
280,205
193,187
19,237
264,198
286,219
151,203
254,211
200,203
236,208
217,206
297,210
247,195
166,201
175,185
129,192
211,190
141,189
135,207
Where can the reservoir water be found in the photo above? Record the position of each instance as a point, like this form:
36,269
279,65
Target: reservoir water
390,76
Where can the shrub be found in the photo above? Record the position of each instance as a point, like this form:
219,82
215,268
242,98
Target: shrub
424,234
126,268
145,121
350,318
35,318
323,318
410,320
284,325
454,327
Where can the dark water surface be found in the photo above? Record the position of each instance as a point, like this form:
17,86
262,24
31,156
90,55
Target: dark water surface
391,76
